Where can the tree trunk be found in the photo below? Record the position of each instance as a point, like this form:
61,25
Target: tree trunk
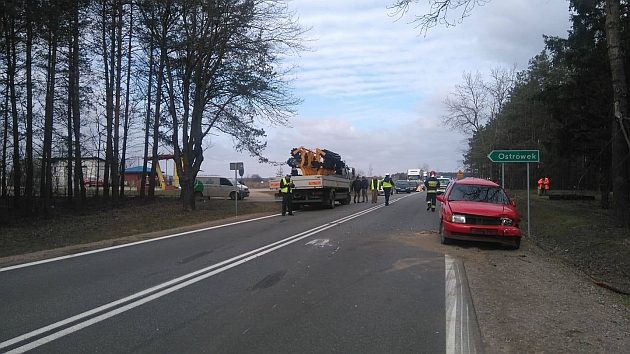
126,124
147,124
79,186
117,35
46,185
30,179
620,147
158,97
5,140
109,75
69,145
11,72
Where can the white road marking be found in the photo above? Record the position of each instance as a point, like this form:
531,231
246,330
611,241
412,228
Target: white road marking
167,287
320,242
130,244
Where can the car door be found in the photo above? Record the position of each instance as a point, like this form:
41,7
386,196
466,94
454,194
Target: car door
226,187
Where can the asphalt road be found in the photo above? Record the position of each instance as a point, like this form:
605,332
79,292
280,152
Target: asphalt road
322,281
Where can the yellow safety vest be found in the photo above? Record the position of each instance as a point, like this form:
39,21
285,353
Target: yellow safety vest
378,184
284,183
432,187
387,184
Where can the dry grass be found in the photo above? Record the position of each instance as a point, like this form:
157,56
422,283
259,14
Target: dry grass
582,234
64,227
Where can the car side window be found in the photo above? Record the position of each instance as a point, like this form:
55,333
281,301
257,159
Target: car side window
226,182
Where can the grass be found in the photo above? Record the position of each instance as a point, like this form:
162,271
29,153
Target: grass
65,227
582,234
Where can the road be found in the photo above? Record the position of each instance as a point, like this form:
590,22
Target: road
341,280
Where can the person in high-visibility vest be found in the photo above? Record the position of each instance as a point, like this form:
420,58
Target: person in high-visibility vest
375,185
388,184
286,189
540,186
431,184
546,185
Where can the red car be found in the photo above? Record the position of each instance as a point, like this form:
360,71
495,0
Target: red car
478,210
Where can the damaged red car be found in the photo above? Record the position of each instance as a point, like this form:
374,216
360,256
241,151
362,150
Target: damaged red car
475,209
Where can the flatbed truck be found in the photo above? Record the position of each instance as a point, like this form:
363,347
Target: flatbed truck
323,190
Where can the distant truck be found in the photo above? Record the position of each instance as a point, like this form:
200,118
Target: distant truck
414,175
325,178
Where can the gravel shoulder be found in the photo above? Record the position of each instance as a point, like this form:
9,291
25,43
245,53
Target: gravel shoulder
529,302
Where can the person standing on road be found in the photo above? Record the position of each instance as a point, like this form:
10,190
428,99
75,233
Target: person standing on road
356,189
540,186
431,185
286,189
364,188
388,184
375,185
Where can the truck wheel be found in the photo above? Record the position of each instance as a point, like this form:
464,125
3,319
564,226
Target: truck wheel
346,200
331,200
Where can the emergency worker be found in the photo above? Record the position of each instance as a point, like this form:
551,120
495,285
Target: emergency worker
388,184
540,186
546,185
364,189
375,185
286,189
431,185
356,189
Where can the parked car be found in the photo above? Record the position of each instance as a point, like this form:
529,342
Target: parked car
216,186
478,210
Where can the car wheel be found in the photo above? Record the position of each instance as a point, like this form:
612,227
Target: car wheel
517,244
444,240
198,195
232,195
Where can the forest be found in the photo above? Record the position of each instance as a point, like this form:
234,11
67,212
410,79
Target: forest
570,104
114,81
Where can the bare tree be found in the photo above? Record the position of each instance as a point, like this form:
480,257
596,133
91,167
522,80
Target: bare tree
439,11
468,106
127,94
5,140
30,181
499,87
9,22
222,73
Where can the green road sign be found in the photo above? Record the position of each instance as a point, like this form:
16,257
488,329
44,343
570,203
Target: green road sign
514,156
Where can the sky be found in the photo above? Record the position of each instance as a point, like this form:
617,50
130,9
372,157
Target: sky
372,86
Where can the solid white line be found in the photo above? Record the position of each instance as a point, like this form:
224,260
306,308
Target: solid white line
165,288
130,244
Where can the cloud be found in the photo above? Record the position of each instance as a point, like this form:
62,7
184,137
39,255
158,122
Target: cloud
373,87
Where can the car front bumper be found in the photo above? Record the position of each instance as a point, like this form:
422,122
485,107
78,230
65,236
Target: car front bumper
484,233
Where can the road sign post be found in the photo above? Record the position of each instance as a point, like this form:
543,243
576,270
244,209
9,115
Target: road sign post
236,167
516,156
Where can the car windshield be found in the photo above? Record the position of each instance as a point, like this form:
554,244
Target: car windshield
473,193
401,183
